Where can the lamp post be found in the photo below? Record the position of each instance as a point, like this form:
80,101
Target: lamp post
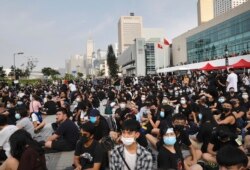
226,56
19,53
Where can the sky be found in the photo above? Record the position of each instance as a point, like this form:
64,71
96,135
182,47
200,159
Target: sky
52,31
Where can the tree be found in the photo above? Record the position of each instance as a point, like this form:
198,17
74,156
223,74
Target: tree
47,71
2,73
112,62
79,74
101,72
31,64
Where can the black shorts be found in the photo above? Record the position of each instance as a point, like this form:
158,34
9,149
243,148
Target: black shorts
62,145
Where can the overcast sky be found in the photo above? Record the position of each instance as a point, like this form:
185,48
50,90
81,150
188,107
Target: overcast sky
54,30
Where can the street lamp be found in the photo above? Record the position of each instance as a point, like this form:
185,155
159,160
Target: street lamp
19,53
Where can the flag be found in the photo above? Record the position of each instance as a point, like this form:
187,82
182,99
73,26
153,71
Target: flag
166,41
159,46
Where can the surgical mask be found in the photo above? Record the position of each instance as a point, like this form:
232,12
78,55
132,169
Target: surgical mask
19,103
78,99
122,105
17,116
221,100
162,114
143,99
127,141
245,96
200,116
169,140
176,94
92,119
8,106
183,101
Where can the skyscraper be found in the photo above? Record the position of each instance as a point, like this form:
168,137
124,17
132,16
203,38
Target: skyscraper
89,55
129,28
205,9
222,6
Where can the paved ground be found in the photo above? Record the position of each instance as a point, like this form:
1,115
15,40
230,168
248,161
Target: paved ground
61,160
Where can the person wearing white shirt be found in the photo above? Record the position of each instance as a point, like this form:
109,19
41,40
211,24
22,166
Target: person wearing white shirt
232,80
5,132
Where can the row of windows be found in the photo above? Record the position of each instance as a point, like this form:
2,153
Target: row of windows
233,34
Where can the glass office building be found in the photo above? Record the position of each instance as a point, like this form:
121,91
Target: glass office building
231,37
150,58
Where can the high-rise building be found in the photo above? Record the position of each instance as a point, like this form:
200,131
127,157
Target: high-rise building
205,9
129,28
89,55
222,6
75,64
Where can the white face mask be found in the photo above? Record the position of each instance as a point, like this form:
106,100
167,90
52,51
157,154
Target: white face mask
245,96
122,105
78,99
8,106
183,101
143,98
127,141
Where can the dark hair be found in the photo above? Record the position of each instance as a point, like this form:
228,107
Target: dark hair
23,112
179,117
3,120
63,110
88,127
131,125
19,141
230,155
49,97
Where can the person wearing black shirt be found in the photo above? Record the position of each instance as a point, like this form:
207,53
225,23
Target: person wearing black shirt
88,152
169,154
101,125
221,137
66,135
50,106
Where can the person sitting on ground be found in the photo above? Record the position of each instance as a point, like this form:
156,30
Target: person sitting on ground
26,153
231,157
130,155
88,152
66,135
36,115
23,121
5,132
101,125
50,106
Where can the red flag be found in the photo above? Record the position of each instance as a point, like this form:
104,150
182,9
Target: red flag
166,41
159,46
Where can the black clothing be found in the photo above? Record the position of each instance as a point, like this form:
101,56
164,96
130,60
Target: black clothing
51,107
69,132
102,129
169,160
90,155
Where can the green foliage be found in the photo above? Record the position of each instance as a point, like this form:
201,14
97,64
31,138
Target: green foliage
112,62
2,73
69,77
79,74
47,71
101,72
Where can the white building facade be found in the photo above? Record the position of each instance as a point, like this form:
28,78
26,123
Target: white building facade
129,28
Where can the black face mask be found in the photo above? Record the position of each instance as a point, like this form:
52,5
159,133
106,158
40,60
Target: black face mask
226,110
83,139
179,128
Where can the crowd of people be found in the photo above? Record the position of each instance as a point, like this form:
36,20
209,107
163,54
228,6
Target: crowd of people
193,121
